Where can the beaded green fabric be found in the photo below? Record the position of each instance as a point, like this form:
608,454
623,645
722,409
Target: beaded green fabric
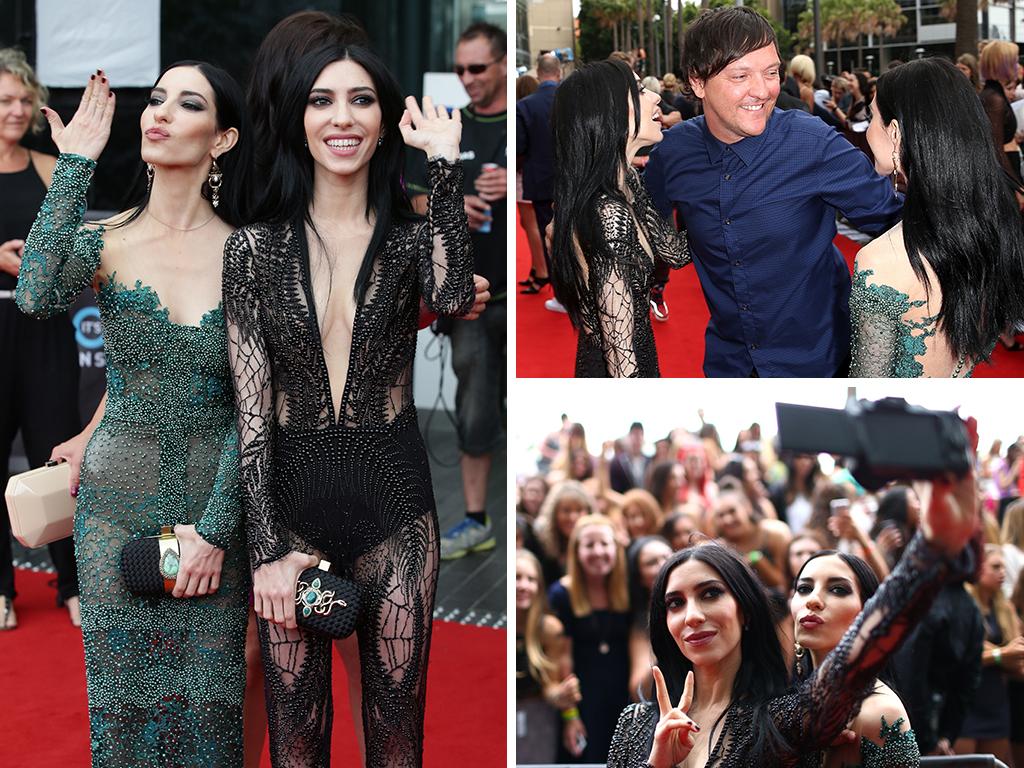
165,676
884,341
898,750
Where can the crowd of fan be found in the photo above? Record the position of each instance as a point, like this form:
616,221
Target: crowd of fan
592,531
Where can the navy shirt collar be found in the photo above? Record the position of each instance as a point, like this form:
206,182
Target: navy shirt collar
746,149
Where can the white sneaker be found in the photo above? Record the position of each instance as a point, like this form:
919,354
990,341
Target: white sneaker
555,306
468,536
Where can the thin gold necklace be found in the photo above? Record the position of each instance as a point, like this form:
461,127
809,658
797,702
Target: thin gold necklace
180,229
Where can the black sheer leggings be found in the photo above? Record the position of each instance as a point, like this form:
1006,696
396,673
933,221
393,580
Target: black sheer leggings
398,579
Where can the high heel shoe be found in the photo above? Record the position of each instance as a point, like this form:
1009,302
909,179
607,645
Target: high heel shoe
536,285
529,280
8,618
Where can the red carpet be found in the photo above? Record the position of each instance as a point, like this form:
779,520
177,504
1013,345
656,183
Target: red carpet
44,722
546,343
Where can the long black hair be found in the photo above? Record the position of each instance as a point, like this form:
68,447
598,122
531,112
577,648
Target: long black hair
235,164
960,213
280,51
590,122
762,673
288,187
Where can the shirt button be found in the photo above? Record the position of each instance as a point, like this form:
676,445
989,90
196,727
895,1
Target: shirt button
753,346
737,263
728,176
728,221
744,307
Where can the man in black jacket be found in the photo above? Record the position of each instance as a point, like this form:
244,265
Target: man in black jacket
938,669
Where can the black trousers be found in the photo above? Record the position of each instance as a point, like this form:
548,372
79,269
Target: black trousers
545,214
39,397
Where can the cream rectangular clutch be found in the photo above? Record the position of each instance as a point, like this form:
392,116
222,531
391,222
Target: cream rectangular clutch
41,507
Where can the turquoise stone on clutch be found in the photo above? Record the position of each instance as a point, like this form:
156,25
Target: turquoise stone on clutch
169,564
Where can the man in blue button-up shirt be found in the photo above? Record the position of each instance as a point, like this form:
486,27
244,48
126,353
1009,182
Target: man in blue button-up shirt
757,189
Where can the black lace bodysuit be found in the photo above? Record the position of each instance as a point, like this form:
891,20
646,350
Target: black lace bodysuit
615,334
810,717
353,485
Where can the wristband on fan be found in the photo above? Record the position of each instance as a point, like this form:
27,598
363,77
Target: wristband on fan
754,556
573,713
997,654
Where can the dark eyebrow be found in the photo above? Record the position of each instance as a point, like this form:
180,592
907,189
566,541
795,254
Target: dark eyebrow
831,580
699,587
357,89
183,93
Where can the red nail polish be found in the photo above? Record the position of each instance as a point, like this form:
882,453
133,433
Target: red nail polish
92,77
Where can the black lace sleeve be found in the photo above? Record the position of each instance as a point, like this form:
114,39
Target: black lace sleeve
667,244
611,277
822,706
634,734
445,255
254,399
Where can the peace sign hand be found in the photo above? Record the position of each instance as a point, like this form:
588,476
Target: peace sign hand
89,129
433,130
673,736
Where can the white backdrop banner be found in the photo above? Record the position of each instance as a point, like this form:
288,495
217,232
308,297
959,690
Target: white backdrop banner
120,36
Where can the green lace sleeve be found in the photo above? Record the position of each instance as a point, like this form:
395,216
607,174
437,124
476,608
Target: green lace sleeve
882,343
220,523
61,257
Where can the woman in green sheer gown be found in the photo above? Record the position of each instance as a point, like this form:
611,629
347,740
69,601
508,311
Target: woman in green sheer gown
165,675
931,296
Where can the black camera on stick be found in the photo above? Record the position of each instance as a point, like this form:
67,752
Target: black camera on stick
887,439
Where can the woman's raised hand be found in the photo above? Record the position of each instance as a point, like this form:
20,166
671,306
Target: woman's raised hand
89,129
673,736
951,514
433,130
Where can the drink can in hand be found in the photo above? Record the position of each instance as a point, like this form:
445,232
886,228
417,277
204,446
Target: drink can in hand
485,228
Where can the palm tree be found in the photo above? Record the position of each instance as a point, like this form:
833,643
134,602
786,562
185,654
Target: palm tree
640,16
965,14
888,20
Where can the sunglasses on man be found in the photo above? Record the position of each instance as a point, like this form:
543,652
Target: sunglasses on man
473,69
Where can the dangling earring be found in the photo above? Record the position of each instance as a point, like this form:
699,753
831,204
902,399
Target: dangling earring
799,652
380,140
149,177
895,169
214,180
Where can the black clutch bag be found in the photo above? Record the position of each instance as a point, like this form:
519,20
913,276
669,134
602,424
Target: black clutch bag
326,603
149,566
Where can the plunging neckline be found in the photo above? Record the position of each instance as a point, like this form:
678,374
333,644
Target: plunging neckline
313,318
160,310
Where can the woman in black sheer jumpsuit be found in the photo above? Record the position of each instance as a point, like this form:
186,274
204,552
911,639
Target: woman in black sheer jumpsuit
338,467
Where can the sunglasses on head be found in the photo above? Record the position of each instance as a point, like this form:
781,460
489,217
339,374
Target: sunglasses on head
473,69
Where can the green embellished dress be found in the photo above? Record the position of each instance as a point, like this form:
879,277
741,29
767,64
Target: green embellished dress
166,676
886,341
898,750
